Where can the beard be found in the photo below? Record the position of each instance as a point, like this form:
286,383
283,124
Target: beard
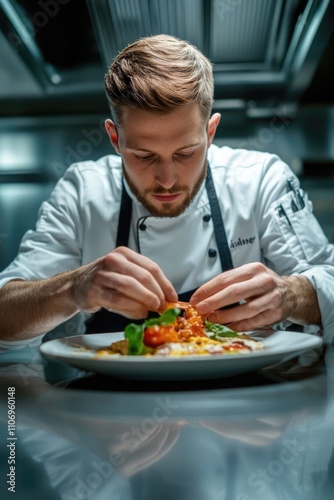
166,209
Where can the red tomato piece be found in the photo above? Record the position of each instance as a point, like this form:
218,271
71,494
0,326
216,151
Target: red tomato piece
157,335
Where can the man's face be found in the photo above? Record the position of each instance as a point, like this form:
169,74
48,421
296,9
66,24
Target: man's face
164,155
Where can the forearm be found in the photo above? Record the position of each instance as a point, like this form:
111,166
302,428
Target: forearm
31,308
123,281
306,308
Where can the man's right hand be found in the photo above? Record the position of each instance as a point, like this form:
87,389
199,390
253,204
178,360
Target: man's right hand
122,281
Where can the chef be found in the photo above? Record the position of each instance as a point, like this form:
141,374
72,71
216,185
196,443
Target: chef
170,216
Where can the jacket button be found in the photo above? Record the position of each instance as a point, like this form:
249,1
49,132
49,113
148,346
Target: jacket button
206,217
212,252
142,227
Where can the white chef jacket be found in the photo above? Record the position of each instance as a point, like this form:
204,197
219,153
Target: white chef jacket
264,220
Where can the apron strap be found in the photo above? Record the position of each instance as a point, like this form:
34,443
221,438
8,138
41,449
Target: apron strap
124,219
218,224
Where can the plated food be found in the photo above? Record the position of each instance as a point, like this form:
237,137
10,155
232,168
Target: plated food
82,351
180,331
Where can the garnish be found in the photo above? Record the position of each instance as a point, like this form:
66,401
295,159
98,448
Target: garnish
167,318
188,334
215,330
135,333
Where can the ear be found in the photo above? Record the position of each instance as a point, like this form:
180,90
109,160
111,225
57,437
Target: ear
212,127
112,133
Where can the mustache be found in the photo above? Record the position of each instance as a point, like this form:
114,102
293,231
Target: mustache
162,190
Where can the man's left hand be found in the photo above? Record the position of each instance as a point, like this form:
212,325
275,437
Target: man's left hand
263,297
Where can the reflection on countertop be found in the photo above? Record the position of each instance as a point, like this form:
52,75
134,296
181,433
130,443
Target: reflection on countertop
266,435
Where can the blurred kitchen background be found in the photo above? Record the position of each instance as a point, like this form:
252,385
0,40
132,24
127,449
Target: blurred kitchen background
273,66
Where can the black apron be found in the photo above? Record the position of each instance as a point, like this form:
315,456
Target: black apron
106,321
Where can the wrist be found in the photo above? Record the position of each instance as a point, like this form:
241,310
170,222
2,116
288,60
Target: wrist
304,307
60,290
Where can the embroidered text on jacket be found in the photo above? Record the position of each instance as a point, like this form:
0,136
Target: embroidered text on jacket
242,241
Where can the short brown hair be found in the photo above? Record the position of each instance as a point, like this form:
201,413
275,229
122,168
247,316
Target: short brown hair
159,73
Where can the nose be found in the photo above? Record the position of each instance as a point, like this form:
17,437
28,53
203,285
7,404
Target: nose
165,174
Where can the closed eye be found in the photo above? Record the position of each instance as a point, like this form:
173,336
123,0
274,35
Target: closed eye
151,157
144,158
186,155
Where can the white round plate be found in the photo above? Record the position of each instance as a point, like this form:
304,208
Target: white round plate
278,347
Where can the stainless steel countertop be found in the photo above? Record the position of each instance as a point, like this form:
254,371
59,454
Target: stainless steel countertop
263,435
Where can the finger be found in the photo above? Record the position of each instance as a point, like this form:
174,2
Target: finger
233,294
115,302
122,259
146,263
266,307
257,284
135,282
118,287
249,324
224,280
240,312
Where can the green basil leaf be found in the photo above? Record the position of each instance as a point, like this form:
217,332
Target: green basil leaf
134,334
166,318
219,330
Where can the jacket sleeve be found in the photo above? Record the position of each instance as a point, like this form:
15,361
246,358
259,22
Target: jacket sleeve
292,240
55,244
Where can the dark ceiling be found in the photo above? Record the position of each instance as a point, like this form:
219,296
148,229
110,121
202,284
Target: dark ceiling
266,53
